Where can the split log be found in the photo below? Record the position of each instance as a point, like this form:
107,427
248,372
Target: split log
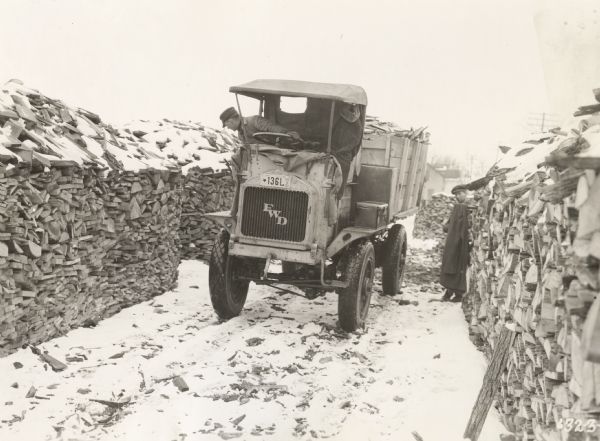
55,364
180,384
31,393
491,382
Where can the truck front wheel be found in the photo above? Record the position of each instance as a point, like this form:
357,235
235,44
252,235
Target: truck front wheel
354,300
395,260
227,293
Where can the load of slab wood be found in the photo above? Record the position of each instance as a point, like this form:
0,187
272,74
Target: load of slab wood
91,216
536,271
374,125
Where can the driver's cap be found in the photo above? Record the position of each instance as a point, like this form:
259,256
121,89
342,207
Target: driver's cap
230,112
459,189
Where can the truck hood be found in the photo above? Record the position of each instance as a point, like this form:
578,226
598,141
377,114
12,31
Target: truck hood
291,160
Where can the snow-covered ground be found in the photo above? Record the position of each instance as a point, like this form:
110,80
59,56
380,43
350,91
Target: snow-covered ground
282,370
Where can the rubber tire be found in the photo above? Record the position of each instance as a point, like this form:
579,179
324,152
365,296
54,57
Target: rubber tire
227,295
354,300
394,259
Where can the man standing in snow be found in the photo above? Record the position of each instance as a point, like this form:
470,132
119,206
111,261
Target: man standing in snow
455,260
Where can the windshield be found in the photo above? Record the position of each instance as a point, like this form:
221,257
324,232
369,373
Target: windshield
306,120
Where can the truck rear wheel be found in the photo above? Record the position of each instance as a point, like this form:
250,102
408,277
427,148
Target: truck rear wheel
227,294
394,260
354,300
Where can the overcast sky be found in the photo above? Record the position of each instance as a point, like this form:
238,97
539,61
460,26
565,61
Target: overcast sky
471,70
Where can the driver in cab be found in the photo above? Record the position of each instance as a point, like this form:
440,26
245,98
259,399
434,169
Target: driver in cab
249,125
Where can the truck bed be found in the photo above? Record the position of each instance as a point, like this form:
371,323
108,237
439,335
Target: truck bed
392,170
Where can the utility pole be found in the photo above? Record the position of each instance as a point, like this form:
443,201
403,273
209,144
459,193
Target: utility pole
538,122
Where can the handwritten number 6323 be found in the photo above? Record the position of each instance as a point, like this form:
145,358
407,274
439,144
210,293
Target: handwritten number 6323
577,425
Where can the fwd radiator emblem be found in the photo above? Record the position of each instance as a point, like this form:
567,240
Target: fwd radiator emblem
281,220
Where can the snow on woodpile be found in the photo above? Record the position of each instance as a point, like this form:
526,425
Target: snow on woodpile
535,271
188,145
45,131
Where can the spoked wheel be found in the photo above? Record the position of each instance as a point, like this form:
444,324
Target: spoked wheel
354,300
227,293
395,260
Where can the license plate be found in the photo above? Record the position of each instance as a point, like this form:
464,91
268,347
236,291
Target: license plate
278,181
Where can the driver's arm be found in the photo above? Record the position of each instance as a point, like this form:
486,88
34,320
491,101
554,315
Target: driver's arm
264,125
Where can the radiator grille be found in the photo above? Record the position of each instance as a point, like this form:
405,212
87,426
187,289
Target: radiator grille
271,213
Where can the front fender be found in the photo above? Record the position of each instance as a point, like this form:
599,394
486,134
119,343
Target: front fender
224,219
348,236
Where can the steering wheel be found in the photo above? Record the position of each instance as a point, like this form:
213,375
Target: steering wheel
279,139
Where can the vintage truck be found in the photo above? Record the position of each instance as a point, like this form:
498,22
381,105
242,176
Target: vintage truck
293,208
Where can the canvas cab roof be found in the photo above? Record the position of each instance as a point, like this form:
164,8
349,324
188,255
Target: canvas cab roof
346,93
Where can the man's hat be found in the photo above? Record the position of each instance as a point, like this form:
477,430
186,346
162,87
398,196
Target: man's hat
458,188
228,113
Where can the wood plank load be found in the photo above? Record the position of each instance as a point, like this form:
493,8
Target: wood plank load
90,215
536,271
375,125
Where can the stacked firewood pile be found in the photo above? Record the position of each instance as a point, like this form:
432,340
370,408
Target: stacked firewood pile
536,271
76,246
90,215
204,192
430,219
